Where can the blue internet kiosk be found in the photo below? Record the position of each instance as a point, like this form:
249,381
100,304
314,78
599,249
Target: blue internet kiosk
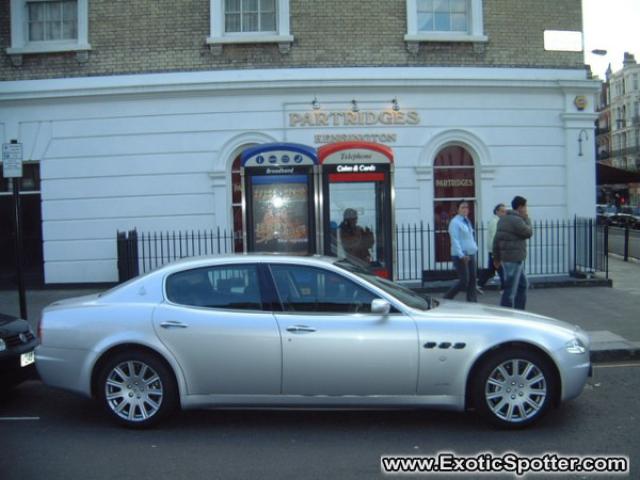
279,199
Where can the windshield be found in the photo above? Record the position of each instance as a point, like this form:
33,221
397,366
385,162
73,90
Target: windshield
399,292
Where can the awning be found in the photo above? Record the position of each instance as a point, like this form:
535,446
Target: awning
607,175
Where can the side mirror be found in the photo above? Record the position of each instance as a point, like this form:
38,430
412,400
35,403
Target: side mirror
380,307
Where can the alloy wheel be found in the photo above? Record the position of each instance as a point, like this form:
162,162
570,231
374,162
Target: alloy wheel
134,391
515,390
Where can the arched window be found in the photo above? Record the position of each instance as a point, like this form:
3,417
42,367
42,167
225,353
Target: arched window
454,180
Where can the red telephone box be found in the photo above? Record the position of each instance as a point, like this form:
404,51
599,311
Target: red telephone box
357,204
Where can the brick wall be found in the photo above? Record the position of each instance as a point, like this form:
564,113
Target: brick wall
169,35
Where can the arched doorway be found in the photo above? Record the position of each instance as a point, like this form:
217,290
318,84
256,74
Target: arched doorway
454,180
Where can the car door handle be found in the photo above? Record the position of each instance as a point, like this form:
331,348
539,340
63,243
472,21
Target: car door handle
173,324
300,329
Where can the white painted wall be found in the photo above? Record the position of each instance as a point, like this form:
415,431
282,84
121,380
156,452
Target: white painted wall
153,152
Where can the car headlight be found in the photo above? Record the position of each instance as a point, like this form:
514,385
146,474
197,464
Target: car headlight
3,345
575,346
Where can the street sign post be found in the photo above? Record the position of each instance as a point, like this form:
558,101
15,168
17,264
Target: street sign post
12,169
12,160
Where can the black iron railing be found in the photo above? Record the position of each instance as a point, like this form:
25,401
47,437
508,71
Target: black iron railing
564,247
623,241
141,252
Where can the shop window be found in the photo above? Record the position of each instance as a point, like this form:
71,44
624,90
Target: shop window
454,180
249,21
445,21
39,26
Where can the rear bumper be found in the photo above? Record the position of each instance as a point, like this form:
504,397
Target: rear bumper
63,368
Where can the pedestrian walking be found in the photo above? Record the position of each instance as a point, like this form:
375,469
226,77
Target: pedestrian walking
499,211
510,252
463,254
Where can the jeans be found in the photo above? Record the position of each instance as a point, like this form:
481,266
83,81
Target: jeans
466,279
515,285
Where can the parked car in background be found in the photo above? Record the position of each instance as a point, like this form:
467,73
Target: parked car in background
17,346
604,212
634,211
630,210
317,332
623,220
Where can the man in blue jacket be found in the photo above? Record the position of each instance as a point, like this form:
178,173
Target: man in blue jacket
463,253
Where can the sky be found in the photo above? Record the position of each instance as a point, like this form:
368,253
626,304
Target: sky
612,25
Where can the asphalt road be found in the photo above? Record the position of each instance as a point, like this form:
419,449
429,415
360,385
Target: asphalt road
49,434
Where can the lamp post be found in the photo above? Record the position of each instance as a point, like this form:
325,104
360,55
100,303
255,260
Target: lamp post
582,133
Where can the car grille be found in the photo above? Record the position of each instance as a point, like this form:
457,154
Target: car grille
14,340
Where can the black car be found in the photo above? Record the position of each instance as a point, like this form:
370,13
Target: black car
623,220
17,345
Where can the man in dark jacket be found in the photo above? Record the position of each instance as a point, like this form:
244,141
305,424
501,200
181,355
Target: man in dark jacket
510,251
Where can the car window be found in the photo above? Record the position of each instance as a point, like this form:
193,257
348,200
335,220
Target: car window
309,289
229,286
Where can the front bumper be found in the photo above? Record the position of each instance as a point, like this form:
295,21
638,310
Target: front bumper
575,369
11,370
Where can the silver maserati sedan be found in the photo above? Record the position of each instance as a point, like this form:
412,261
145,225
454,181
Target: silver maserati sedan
276,331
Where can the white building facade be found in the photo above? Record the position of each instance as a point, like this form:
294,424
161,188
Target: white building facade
155,152
133,115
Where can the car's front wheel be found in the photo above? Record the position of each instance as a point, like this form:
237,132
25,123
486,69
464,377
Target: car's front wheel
137,389
514,388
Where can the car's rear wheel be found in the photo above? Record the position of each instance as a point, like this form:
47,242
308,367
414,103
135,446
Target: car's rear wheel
137,389
514,388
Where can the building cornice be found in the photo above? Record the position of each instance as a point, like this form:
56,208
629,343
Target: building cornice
273,79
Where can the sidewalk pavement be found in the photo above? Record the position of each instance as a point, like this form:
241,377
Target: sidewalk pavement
611,314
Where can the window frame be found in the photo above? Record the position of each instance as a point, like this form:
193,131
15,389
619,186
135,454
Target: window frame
475,26
219,37
20,43
242,12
